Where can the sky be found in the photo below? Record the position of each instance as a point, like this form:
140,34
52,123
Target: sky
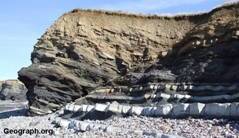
22,22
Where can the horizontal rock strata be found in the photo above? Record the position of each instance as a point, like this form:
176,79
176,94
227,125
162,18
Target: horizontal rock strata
210,110
83,50
107,56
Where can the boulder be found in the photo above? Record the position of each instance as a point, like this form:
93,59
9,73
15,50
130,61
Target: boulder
12,90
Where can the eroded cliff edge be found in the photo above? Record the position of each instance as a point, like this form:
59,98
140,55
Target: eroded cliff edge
85,49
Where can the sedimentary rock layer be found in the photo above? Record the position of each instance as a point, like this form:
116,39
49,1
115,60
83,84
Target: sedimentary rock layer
85,49
210,110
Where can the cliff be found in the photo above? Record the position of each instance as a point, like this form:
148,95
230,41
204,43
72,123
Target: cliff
85,49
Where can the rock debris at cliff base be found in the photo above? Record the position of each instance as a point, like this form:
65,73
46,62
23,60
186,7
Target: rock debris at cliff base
189,128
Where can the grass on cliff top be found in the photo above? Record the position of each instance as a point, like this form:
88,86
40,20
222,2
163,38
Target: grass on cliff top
155,16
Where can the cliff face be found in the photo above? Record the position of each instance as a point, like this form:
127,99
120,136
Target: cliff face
209,52
12,90
86,49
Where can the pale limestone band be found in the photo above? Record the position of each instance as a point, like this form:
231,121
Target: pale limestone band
217,110
173,87
203,99
197,87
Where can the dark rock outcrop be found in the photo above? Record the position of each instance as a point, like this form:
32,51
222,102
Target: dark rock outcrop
12,90
87,49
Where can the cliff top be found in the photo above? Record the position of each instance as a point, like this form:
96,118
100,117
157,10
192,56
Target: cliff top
154,16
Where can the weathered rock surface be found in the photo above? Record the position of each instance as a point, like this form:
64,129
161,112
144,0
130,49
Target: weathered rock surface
12,90
87,49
